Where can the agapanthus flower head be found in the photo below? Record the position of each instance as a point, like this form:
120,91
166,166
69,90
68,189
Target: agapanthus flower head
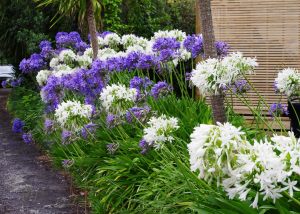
140,83
206,152
137,113
165,43
66,137
27,138
144,146
130,40
160,130
81,46
44,43
116,99
112,148
33,64
67,163
111,40
47,52
105,33
222,155
67,40
73,115
213,75
288,82
18,125
88,129
222,48
51,92
132,60
161,89
88,83
49,125
146,61
68,57
16,82
43,76
4,84
46,49
238,87
112,120
194,44
177,34
277,109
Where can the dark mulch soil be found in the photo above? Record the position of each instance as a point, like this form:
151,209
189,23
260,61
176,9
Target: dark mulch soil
27,185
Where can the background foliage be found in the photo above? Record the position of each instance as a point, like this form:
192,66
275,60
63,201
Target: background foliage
22,25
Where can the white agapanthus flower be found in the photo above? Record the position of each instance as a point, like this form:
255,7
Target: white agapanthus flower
54,62
116,99
88,52
84,61
62,70
222,155
111,40
67,56
136,48
106,53
213,75
177,34
288,82
42,77
73,115
213,148
160,130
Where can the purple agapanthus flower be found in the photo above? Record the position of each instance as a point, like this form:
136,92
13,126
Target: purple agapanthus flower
222,48
85,82
161,89
67,163
18,125
16,82
132,60
67,40
66,137
166,47
194,44
34,63
137,113
44,43
112,148
240,87
112,120
188,76
49,125
146,61
51,92
277,109
103,34
4,84
140,83
88,129
81,46
47,52
165,43
27,138
144,146
276,89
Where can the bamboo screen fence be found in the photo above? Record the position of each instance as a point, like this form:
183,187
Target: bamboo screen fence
267,29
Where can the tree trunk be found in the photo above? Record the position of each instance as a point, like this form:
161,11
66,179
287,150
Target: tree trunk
92,27
217,101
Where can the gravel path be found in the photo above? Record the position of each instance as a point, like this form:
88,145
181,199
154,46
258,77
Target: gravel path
28,186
